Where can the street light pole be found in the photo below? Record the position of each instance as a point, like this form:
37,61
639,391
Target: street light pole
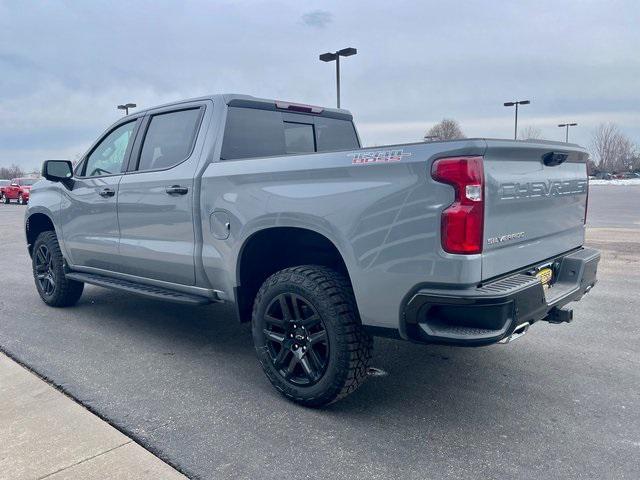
330,57
566,126
126,107
516,103
338,80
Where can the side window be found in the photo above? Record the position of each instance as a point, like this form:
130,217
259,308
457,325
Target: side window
108,157
169,139
299,138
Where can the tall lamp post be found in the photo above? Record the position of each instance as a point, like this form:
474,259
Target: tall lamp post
516,103
566,126
126,107
330,57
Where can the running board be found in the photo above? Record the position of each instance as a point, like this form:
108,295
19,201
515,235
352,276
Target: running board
151,291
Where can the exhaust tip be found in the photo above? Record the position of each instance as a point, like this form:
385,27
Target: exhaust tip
518,332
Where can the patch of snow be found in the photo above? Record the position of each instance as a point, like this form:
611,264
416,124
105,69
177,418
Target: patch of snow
625,181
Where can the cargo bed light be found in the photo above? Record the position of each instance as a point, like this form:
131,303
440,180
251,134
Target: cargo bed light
298,107
462,221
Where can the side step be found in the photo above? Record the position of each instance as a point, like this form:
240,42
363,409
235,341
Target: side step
158,293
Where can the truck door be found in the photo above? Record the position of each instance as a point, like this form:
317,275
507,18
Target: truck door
89,221
156,197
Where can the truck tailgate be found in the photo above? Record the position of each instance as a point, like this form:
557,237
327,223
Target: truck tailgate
535,202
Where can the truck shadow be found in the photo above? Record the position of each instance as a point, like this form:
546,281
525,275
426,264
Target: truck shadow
417,375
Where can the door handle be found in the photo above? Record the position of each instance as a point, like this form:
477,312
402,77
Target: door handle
107,192
176,190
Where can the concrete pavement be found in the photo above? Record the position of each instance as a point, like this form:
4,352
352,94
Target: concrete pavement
45,434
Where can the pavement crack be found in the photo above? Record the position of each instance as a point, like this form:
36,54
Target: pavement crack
84,460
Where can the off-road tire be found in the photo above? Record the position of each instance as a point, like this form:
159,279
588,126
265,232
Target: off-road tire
349,345
65,292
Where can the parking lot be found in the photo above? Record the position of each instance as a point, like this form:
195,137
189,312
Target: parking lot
562,402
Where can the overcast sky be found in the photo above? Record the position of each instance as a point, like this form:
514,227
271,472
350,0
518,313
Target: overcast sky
64,66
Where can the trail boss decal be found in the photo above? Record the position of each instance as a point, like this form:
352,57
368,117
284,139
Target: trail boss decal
379,156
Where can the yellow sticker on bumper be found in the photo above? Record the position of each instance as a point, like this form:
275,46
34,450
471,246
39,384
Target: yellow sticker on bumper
545,275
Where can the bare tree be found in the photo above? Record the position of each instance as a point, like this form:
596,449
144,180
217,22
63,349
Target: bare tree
14,171
531,133
447,129
611,149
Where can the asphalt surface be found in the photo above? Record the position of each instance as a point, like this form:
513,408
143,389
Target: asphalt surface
562,402
614,206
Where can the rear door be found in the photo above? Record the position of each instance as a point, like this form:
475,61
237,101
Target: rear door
88,214
535,201
156,196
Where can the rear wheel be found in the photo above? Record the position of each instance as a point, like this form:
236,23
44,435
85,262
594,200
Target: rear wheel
20,200
6,199
308,336
48,272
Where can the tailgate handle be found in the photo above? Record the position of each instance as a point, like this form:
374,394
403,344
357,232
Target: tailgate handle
551,159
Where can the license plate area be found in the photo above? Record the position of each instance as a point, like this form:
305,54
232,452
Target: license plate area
546,276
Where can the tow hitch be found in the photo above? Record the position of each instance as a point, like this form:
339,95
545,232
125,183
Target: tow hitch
560,315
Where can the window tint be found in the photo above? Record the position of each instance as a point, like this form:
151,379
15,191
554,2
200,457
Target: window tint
252,133
298,138
169,139
335,134
108,156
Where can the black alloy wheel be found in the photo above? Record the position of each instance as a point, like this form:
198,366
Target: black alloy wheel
53,286
296,339
44,270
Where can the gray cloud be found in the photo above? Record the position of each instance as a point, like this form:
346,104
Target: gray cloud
317,18
64,69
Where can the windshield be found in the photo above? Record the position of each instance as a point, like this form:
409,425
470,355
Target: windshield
28,181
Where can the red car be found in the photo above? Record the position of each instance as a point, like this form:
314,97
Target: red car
3,184
18,189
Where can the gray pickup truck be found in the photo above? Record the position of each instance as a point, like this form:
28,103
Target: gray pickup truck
320,243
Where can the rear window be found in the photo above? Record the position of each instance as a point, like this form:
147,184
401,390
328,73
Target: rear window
299,138
252,132
335,134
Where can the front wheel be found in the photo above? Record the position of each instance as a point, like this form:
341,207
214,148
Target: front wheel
308,336
48,272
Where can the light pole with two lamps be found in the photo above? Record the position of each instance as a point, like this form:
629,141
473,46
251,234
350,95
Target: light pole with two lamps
330,57
516,103
126,107
567,125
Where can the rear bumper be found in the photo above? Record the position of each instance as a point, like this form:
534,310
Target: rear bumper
489,313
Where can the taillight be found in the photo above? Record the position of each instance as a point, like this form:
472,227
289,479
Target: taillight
462,221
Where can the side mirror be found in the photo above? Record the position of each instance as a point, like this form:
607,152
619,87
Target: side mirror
57,170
